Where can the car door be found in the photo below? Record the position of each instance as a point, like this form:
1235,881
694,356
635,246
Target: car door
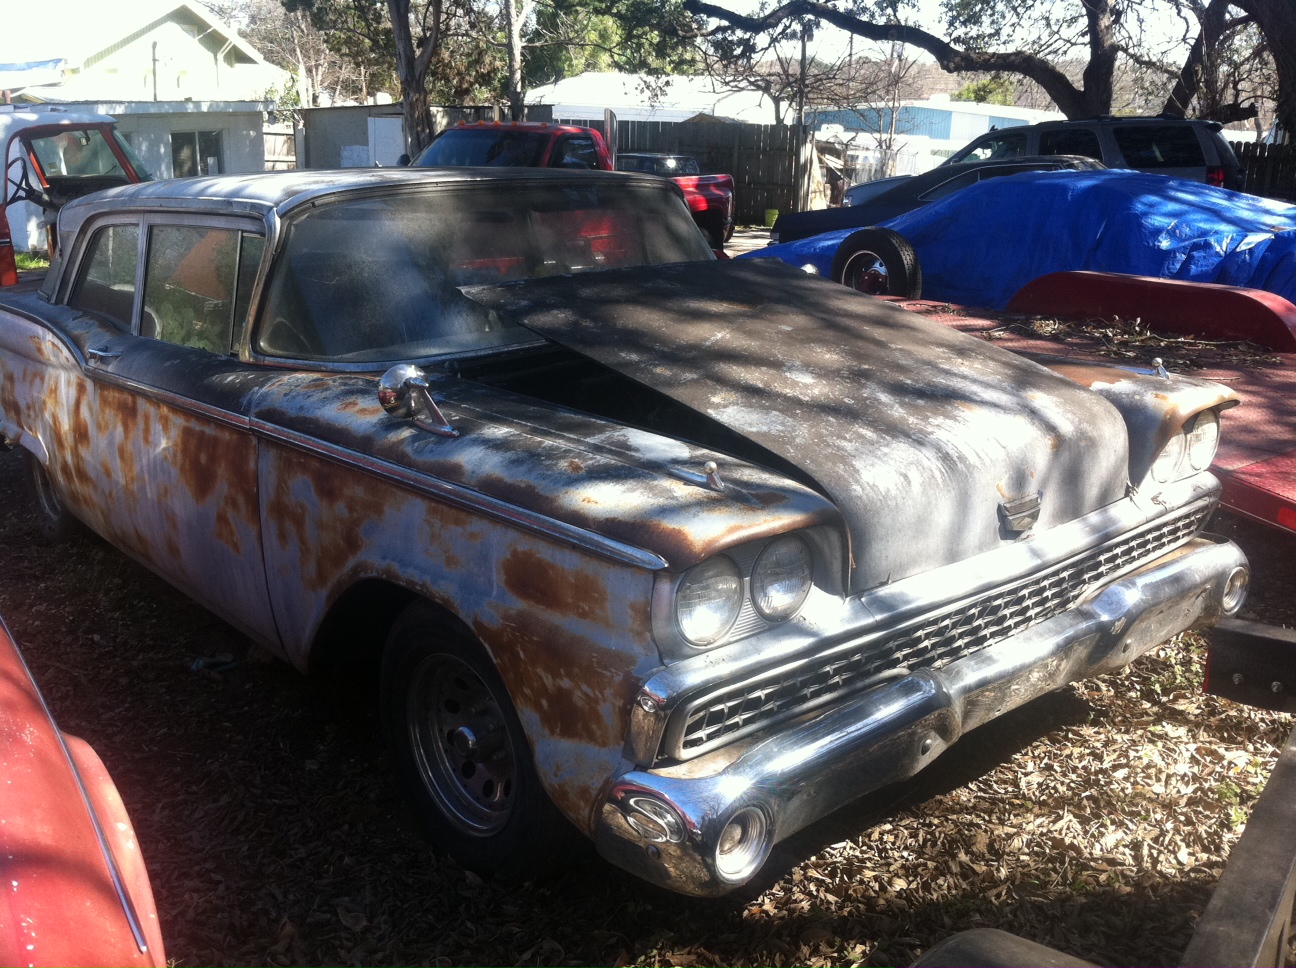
167,427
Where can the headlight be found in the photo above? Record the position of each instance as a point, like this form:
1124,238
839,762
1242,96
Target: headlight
1166,467
709,598
1203,439
781,578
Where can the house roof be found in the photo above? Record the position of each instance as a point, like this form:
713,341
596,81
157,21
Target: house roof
89,30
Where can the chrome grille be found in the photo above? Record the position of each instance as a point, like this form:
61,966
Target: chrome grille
930,642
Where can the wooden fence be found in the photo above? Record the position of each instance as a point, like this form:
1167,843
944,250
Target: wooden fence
760,157
1270,169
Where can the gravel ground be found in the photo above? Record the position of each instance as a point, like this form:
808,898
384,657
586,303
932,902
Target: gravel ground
1095,819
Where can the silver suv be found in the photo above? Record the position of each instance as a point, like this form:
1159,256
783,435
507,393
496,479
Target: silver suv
1175,146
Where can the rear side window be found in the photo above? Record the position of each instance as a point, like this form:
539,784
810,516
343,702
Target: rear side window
1006,144
1070,141
1159,145
191,287
575,151
107,283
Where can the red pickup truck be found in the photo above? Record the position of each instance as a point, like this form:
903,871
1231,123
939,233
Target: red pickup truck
538,144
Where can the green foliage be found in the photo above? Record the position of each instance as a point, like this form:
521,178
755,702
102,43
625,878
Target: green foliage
31,260
288,103
995,89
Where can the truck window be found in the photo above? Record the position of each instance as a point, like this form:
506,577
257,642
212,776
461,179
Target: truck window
1005,144
575,151
106,286
1070,141
1159,145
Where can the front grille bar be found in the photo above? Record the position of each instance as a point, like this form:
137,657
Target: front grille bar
929,642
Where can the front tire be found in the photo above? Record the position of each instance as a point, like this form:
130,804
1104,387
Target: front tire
878,262
460,752
56,523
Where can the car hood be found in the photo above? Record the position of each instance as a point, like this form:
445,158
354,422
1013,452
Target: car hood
917,433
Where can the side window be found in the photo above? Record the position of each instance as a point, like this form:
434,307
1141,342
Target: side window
106,286
576,151
1006,144
1070,141
1159,145
189,286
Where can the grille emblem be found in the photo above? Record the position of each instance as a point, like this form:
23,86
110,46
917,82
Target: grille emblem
1020,515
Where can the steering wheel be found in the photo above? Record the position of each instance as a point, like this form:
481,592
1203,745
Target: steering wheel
24,190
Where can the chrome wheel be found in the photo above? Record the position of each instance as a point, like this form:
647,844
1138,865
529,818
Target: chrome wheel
461,745
866,272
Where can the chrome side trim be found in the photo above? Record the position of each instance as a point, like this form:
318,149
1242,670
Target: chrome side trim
169,399
119,885
466,498
461,497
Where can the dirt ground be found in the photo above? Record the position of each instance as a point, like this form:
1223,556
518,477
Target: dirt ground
1096,819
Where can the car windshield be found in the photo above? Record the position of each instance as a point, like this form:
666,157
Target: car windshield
376,279
497,147
80,153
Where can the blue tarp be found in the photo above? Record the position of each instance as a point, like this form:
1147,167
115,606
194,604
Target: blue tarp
980,245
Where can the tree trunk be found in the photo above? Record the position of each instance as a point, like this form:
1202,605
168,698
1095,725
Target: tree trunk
515,16
1190,78
411,71
1277,21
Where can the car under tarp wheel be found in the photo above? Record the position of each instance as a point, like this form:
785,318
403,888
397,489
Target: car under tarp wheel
461,754
878,262
56,523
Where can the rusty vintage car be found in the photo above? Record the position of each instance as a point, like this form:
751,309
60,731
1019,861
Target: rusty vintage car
681,553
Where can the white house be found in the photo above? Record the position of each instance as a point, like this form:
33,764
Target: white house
638,97
141,50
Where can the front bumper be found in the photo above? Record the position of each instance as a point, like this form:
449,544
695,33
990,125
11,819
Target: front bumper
666,825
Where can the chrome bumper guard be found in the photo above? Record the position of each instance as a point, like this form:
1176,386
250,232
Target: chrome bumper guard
706,835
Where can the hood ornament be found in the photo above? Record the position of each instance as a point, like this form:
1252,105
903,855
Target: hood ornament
1021,514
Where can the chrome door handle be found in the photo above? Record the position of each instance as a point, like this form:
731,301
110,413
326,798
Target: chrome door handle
100,353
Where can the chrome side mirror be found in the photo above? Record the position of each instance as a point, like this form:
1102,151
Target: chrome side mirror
404,391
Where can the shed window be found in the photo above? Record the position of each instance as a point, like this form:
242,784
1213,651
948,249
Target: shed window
196,153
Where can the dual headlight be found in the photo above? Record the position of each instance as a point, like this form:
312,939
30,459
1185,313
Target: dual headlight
1190,451
710,596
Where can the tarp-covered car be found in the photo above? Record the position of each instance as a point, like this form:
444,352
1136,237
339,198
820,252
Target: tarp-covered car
683,553
981,245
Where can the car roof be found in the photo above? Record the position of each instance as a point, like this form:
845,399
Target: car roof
14,121
261,193
521,125
1132,119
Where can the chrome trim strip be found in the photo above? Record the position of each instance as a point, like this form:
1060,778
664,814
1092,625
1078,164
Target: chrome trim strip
460,497
119,885
466,498
168,398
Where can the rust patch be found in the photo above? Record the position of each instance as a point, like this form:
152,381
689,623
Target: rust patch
578,689
539,582
575,466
